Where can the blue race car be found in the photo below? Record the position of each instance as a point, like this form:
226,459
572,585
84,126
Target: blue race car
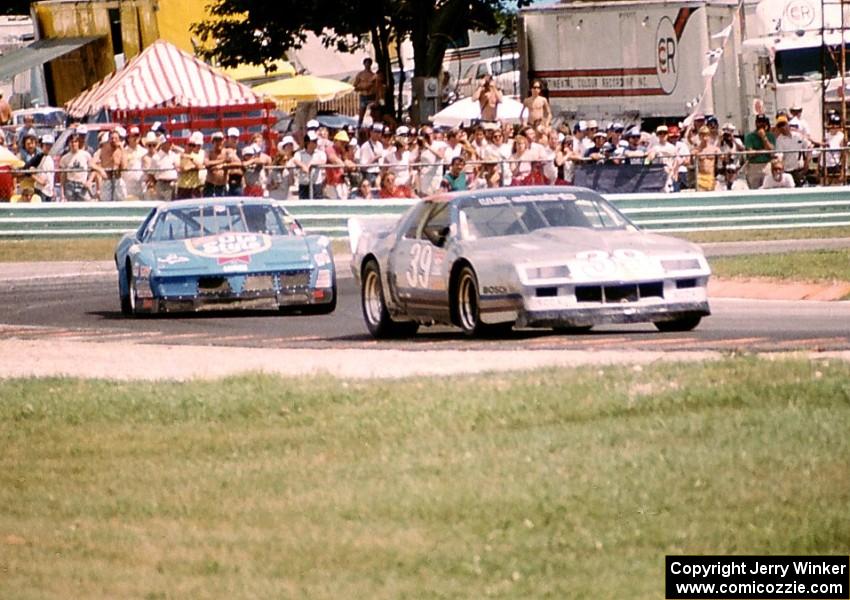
191,255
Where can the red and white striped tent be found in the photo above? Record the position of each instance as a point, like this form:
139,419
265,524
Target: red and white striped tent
162,75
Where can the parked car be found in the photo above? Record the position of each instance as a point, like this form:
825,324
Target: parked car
192,255
487,260
503,69
46,119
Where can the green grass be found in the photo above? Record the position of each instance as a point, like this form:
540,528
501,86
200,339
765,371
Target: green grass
757,235
815,265
550,484
79,249
57,249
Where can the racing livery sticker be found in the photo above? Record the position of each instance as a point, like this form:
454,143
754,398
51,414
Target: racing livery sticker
230,247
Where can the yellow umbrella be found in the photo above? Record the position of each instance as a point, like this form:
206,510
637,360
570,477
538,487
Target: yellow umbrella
247,72
7,159
304,88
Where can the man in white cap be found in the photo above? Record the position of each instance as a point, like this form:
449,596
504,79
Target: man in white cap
796,111
107,164
189,183
164,166
45,175
310,179
216,181
255,161
233,163
370,152
281,176
150,144
133,174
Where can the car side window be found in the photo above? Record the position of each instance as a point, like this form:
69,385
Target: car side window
414,220
436,227
482,70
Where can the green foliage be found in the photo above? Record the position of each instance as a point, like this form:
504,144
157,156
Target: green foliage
563,483
259,31
15,7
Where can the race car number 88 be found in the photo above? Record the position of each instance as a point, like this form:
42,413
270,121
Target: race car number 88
419,273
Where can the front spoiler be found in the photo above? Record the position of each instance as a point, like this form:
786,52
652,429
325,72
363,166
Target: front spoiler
253,301
601,315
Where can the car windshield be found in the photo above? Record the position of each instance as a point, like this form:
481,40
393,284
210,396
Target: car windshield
499,215
211,219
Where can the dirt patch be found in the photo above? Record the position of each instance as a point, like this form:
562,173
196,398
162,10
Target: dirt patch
770,289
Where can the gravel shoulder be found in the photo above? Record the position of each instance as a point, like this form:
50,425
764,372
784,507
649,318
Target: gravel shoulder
28,358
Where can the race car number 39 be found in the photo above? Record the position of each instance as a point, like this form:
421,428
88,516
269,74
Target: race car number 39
229,244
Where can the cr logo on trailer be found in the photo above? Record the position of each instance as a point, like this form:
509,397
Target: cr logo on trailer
667,56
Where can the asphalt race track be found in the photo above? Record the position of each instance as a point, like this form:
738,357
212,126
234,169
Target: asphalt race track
86,309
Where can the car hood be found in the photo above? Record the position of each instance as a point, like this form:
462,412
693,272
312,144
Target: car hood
566,242
229,253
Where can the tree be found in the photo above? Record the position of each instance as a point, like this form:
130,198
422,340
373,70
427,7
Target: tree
16,7
260,31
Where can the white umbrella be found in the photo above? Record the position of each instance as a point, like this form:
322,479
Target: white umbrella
468,110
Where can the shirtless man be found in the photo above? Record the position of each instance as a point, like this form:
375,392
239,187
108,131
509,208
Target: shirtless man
706,154
536,107
488,97
216,182
108,162
366,84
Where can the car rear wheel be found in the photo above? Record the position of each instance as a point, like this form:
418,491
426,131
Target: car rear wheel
126,308
685,323
375,313
468,309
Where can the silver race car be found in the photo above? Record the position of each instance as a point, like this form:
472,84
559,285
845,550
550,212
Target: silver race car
489,260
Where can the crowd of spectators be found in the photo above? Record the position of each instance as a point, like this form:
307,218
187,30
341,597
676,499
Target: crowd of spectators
379,160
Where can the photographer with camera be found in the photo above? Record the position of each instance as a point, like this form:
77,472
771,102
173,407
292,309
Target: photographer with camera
430,154
488,96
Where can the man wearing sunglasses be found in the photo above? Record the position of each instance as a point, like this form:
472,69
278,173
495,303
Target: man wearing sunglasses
536,108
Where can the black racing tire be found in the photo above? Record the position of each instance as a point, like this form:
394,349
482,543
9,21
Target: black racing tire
687,322
128,302
466,304
315,309
126,309
378,320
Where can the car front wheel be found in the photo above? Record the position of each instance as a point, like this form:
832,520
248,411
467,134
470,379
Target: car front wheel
378,320
468,309
684,323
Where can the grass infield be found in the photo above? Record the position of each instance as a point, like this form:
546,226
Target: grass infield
809,265
548,484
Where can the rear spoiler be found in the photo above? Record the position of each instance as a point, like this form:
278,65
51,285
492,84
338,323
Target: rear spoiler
372,226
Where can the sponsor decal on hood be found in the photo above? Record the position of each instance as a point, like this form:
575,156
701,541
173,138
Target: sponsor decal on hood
230,248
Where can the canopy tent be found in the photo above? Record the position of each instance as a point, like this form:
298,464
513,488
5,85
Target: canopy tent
468,110
161,75
304,88
38,53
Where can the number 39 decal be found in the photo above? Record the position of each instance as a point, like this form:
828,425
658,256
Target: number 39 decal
419,272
